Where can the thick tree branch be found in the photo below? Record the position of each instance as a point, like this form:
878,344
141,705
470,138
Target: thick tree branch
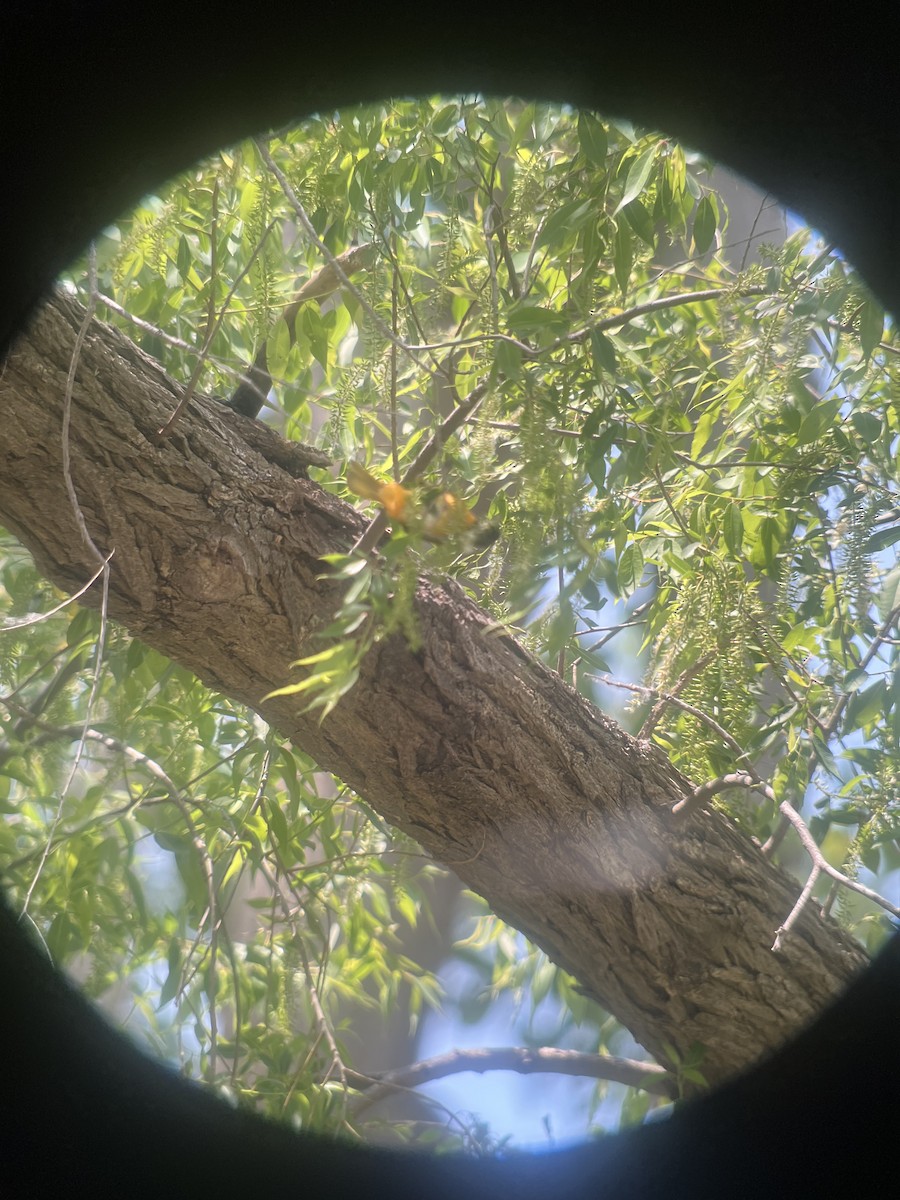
546,807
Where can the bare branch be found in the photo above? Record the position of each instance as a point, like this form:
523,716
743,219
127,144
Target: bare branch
820,864
707,790
524,1061
671,698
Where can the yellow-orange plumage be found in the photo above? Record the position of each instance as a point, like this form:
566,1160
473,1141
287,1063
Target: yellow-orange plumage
446,517
394,498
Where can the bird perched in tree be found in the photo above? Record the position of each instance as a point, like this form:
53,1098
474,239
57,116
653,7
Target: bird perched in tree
394,498
440,518
251,392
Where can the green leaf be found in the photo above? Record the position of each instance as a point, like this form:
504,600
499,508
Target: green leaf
279,827
169,989
623,257
706,219
527,319
770,537
640,221
592,138
596,469
882,538
604,354
818,420
869,426
733,528
178,844
278,347
631,568
638,174
854,679
313,329
824,756
249,196
692,1075
672,1054
703,431
508,360
185,258
565,222
560,629
444,120
871,327
865,706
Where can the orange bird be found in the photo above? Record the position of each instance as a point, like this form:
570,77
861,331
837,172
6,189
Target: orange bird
445,517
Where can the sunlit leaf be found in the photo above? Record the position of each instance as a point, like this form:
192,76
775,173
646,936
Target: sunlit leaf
638,174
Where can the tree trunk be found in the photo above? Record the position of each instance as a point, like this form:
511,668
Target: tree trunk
538,802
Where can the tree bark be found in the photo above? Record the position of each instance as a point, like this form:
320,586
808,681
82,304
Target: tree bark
538,802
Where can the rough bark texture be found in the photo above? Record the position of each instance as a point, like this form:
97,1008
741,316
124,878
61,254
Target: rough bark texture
500,770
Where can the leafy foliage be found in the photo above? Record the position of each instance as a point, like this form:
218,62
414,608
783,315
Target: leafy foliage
692,463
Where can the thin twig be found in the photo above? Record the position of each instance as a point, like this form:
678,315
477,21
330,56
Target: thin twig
459,415
529,261
497,229
203,355
36,618
101,559
308,228
657,305
670,697
820,864
756,219
395,453
615,321
829,725
833,718
802,901
319,1016
670,504
393,259
560,588
212,916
